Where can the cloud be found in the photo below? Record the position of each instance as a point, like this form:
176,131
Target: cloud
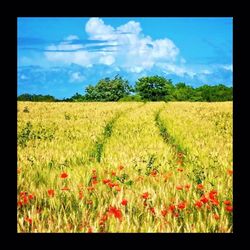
107,60
69,53
96,29
228,67
179,70
131,27
24,77
206,72
124,47
76,77
71,37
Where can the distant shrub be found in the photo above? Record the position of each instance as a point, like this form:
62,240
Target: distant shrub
67,116
24,135
26,110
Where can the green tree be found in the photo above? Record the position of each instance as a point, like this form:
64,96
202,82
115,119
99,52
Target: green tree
108,89
153,88
183,92
36,98
215,93
77,98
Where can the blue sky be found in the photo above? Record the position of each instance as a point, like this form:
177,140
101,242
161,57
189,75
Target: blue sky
61,56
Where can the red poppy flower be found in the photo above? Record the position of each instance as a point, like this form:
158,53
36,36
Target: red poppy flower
216,216
94,177
145,195
51,192
229,208
180,155
215,202
182,205
153,173
200,186
110,184
89,202
31,196
187,186
164,212
198,204
104,218
212,194
22,194
25,200
179,162
180,169
171,208
124,202
94,182
90,230
179,187
230,172
204,199
113,173
101,223
105,181
80,195
19,204
152,210
176,215
118,189
116,212
29,220
120,167
64,175
65,189
227,202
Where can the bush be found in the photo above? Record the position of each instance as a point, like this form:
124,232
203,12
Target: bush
26,110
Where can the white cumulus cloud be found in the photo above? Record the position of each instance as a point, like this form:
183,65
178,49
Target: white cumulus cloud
64,52
124,47
76,77
228,67
107,60
96,28
23,77
71,37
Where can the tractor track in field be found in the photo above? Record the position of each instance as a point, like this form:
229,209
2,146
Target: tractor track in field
181,152
167,137
98,149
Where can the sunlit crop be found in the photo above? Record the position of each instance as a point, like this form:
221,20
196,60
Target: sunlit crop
125,167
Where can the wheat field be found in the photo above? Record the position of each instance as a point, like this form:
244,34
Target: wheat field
125,167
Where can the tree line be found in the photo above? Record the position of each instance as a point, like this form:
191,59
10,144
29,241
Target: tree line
149,88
